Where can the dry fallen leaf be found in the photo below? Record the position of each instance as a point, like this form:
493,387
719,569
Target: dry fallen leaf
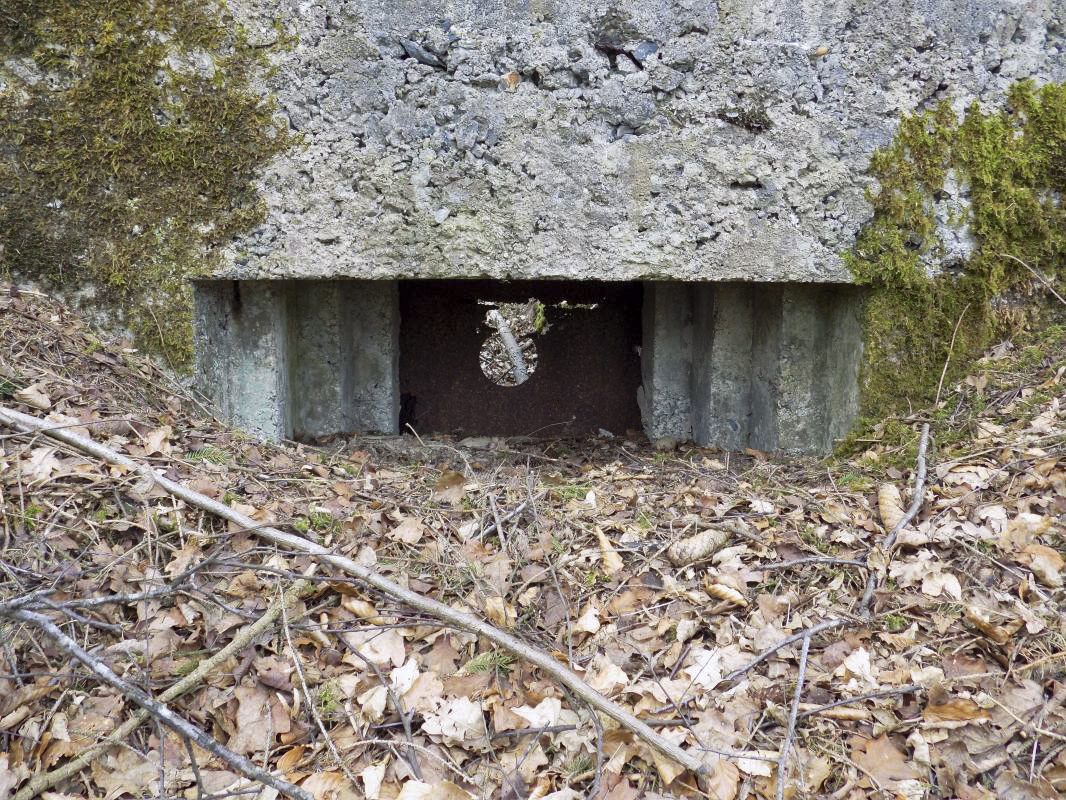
1045,562
409,531
33,397
612,562
450,488
890,505
330,786
883,760
158,441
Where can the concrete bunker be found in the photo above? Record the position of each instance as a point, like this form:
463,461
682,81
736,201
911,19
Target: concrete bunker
763,365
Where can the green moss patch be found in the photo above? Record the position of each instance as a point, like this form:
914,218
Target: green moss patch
129,138
1013,162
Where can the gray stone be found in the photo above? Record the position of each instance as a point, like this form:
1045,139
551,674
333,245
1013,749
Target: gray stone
582,140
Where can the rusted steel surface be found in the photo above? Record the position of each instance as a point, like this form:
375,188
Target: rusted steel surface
587,372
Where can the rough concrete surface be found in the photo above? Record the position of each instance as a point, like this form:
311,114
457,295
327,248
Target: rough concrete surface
671,139
734,365
300,359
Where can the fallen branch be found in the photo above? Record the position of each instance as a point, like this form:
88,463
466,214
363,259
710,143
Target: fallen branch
514,352
886,545
162,713
44,782
459,619
782,762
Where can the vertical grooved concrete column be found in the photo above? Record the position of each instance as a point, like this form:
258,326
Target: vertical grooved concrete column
801,379
372,371
765,357
723,331
318,341
666,360
242,357
843,356
344,349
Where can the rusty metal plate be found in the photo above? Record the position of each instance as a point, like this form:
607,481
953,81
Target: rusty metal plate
588,364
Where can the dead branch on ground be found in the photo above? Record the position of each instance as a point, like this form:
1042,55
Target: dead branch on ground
460,619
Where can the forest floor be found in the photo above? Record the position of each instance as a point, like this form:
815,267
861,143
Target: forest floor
667,580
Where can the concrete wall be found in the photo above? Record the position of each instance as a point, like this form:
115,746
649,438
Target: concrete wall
662,139
734,365
300,359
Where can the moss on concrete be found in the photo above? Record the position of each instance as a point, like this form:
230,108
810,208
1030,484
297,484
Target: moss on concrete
129,138
1013,162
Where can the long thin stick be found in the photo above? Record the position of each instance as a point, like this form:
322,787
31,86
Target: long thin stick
162,713
782,761
445,613
1043,280
916,503
244,637
947,361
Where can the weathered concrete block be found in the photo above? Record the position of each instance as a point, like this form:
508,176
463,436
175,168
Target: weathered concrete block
343,354
724,332
768,366
303,359
372,377
665,397
241,353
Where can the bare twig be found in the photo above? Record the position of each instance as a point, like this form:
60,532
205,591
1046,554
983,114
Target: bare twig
298,663
1043,280
505,518
460,619
397,703
947,361
43,782
860,698
799,562
782,760
917,499
156,709
806,633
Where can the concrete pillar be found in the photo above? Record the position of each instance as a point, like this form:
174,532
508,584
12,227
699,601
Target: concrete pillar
765,352
300,359
241,355
344,357
372,396
773,367
843,357
665,395
723,333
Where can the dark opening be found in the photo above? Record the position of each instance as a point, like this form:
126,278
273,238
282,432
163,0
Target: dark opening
579,367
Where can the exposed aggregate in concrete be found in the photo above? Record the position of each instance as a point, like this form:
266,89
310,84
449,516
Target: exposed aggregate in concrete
672,139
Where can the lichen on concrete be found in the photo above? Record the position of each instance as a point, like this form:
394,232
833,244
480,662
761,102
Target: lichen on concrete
942,284
130,132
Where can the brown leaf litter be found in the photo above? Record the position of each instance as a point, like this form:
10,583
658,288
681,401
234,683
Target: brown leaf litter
646,571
